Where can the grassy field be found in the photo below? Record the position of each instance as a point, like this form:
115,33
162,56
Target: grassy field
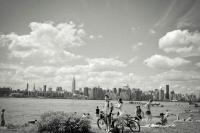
180,128
184,127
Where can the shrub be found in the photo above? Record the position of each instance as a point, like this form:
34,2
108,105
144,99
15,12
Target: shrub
60,122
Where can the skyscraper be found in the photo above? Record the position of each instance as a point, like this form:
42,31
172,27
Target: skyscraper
34,87
45,88
167,92
161,95
27,85
73,85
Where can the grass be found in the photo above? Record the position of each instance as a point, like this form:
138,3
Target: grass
180,128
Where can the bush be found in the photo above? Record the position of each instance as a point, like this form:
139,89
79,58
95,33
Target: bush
60,122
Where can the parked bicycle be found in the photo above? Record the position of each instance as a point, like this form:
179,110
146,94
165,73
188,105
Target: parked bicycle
120,123
127,121
101,121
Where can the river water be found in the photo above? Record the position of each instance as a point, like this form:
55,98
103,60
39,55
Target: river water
21,110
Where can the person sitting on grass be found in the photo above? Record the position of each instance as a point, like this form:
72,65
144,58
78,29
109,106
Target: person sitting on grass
163,118
189,119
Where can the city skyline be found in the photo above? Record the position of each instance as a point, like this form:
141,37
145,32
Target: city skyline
145,44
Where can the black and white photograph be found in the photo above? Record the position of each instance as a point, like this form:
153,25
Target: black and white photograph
99,66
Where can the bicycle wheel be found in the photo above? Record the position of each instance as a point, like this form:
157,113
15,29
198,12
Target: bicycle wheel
118,125
101,124
134,126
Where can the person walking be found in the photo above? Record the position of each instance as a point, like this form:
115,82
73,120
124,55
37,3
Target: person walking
2,118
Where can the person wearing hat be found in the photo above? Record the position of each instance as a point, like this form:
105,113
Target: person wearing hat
2,118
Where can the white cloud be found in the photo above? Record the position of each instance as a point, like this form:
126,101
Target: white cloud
105,63
136,46
163,62
91,36
46,41
175,75
182,42
95,37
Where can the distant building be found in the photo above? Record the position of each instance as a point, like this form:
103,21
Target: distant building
115,90
34,89
73,85
126,87
156,95
90,92
86,91
161,95
5,91
45,88
172,95
167,92
136,94
50,89
58,89
27,85
119,91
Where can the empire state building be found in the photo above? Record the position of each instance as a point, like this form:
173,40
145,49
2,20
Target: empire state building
73,85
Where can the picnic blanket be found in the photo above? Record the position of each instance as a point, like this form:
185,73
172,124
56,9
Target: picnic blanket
158,126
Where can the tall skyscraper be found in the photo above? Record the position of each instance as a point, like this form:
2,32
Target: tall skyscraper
167,92
86,91
34,87
161,95
27,85
45,88
73,85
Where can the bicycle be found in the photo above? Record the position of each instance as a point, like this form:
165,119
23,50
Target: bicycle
102,122
127,121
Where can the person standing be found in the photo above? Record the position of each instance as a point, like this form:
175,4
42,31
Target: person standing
97,111
107,112
119,107
148,111
2,118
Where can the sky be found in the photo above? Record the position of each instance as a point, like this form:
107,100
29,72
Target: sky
108,43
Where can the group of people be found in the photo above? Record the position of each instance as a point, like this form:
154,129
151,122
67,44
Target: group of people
139,113
109,111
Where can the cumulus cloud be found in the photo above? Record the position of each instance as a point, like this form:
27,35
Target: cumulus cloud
182,42
176,75
46,41
105,63
163,62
